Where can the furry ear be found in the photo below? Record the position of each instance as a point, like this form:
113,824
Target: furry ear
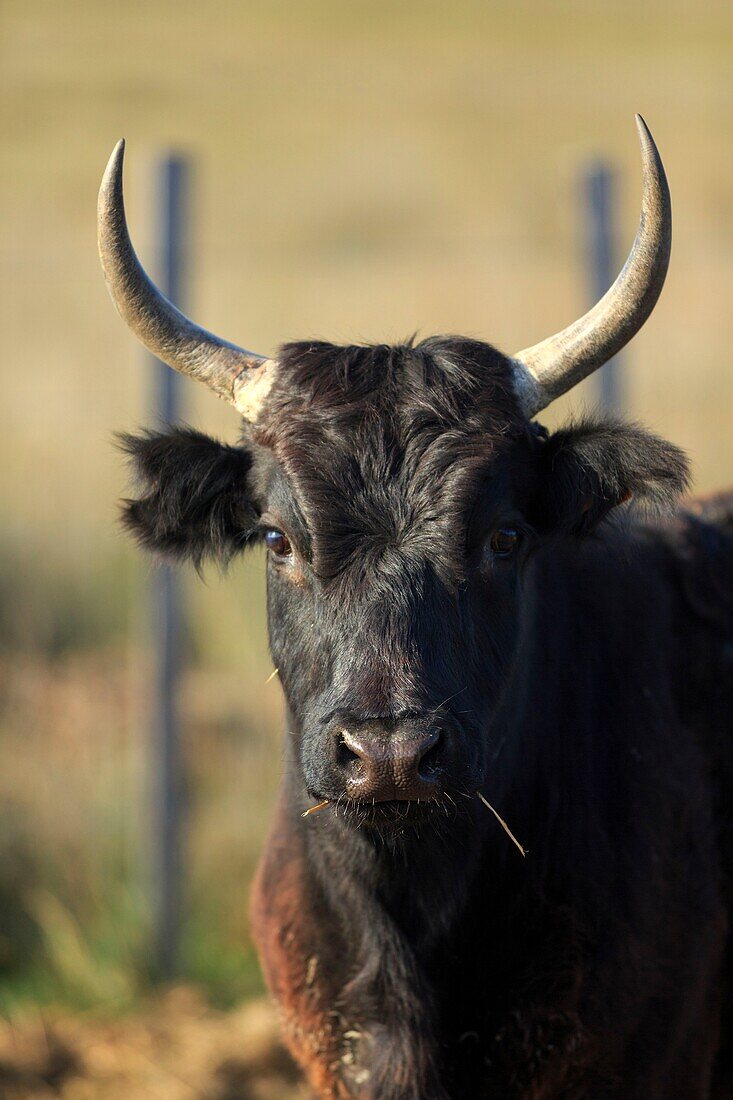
193,499
589,468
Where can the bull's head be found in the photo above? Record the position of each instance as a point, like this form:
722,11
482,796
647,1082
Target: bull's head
402,493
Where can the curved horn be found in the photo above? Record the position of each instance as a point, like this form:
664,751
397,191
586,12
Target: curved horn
240,377
552,367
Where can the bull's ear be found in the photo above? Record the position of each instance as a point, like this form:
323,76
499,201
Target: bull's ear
591,467
192,497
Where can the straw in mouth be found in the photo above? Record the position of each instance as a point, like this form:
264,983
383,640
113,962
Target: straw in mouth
315,809
502,822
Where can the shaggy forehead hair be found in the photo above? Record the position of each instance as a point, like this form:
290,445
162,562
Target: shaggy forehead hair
386,445
449,381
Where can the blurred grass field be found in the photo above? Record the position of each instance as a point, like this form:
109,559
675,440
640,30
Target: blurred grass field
362,170
177,1046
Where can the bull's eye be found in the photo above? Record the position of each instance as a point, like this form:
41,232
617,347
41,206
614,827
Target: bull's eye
278,543
504,542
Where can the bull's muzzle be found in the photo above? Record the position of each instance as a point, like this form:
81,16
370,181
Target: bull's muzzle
382,765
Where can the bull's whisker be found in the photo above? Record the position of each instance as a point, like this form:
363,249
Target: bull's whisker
453,696
503,824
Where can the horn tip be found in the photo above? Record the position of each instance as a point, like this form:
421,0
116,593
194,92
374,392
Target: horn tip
118,152
116,156
645,133
112,177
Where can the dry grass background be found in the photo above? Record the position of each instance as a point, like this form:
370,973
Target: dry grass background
363,169
176,1048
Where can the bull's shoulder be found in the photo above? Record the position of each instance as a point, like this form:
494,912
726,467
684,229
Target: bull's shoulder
715,509
698,546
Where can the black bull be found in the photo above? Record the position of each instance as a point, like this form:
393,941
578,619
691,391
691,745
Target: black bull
460,603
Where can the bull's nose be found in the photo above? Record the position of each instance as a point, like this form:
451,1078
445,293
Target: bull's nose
381,767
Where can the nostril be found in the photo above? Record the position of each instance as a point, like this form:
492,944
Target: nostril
431,759
347,756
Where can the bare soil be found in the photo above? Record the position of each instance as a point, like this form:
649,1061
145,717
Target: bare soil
176,1046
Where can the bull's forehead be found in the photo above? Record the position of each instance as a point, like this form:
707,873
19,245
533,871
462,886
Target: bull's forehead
384,447
450,380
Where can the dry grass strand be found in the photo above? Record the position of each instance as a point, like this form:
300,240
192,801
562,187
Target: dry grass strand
315,809
503,824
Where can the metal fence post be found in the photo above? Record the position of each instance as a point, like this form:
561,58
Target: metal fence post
598,185
173,194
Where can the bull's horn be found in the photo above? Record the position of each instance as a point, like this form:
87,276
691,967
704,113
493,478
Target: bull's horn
552,367
240,377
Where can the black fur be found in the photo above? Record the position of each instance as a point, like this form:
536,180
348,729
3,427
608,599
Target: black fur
194,501
562,681
591,467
